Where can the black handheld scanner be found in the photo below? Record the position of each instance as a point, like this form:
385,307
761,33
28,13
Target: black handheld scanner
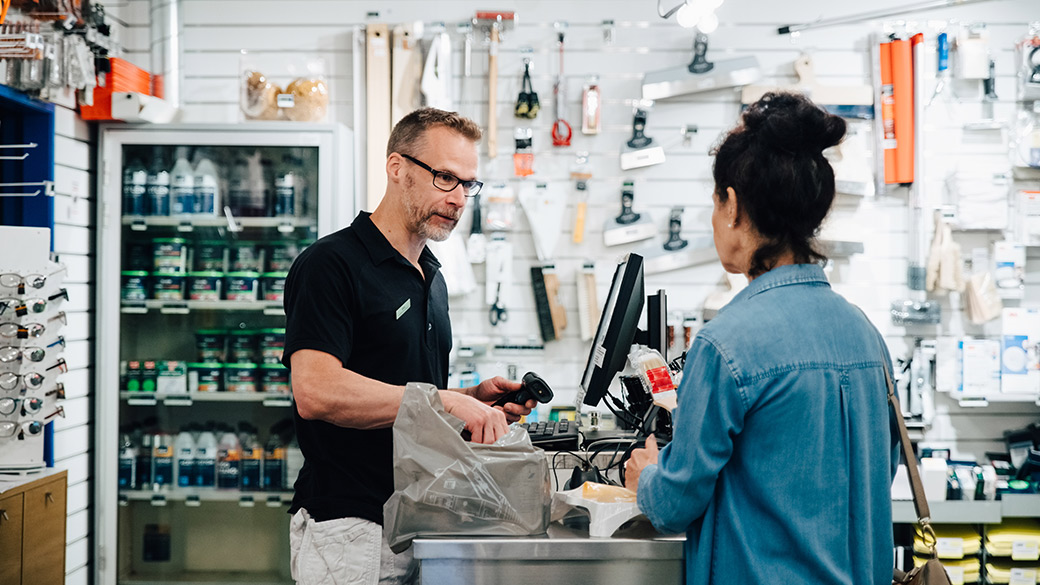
532,387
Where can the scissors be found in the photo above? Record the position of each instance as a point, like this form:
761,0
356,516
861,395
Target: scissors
498,314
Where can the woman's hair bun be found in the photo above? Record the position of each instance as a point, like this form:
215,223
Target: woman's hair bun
790,122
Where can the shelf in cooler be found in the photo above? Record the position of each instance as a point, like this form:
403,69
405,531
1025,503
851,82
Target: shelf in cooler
197,496
186,399
207,578
187,224
185,307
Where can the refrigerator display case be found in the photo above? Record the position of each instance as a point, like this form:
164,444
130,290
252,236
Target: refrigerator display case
195,455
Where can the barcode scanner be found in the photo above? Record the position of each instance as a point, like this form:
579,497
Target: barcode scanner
532,386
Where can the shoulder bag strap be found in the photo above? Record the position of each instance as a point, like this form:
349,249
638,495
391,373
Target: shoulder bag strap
920,501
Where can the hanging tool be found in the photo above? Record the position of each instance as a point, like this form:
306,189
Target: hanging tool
588,315
523,156
989,92
640,150
591,104
545,208
476,246
406,70
437,74
561,130
378,102
942,45
676,252
495,23
581,172
700,74
629,226
527,104
499,278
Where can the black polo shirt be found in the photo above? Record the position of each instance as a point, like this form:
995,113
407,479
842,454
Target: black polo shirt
353,296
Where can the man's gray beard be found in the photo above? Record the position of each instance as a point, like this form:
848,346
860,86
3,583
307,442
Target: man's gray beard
429,232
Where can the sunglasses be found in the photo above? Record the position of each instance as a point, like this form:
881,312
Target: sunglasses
29,405
37,281
23,307
10,380
27,330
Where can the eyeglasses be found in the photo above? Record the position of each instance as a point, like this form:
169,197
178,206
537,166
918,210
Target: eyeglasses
60,365
10,429
37,281
29,405
23,307
446,181
27,330
10,354
32,380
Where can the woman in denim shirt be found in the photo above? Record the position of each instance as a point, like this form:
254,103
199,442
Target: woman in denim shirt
780,467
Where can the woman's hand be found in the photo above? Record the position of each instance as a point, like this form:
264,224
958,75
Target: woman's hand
639,459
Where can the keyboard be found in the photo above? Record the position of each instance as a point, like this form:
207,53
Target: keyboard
553,435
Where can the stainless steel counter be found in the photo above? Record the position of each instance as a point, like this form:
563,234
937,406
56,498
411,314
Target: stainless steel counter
636,555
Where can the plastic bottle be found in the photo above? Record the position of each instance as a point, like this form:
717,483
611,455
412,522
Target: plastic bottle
266,200
127,462
238,187
274,464
206,459
182,185
135,189
285,188
162,460
158,185
207,188
184,458
144,462
252,461
229,460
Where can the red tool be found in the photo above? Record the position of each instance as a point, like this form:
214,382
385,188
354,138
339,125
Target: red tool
561,130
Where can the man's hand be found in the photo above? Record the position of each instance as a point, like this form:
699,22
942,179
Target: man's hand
492,389
640,459
484,423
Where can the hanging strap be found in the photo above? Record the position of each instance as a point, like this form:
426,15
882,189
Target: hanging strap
920,501
526,86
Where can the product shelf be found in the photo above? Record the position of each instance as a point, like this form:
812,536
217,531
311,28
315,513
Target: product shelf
952,512
189,223
196,496
184,307
207,578
187,398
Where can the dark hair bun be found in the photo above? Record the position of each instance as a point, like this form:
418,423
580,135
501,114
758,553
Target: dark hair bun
789,122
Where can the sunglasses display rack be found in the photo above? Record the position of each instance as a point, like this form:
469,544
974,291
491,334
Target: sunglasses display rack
32,360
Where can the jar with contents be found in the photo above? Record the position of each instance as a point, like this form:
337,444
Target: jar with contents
209,343
272,344
274,379
242,346
274,286
209,255
242,286
245,257
205,286
205,376
135,285
170,255
140,256
167,287
240,377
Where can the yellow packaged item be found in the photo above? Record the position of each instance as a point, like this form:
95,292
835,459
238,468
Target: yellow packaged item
1008,574
953,541
1017,538
607,494
961,572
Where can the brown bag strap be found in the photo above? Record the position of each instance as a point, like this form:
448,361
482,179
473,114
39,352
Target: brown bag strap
920,501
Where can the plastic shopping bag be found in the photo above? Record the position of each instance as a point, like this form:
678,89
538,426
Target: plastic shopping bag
444,485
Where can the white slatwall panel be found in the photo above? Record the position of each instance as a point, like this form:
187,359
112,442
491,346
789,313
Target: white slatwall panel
214,33
74,238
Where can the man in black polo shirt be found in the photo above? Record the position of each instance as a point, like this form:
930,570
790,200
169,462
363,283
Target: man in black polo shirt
367,312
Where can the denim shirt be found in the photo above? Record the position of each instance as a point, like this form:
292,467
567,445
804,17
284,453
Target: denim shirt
783,449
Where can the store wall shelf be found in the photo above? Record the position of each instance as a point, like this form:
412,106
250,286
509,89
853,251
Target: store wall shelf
185,307
951,512
189,223
197,496
186,399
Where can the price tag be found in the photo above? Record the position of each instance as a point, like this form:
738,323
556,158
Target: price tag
177,401
949,548
286,100
277,402
247,502
193,501
274,310
274,501
134,309
185,226
143,401
956,575
1025,550
286,227
138,225
1023,577
174,309
159,500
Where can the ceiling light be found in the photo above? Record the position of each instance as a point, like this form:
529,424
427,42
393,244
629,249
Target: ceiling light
709,23
687,16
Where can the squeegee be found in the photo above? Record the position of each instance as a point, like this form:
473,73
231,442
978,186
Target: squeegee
700,74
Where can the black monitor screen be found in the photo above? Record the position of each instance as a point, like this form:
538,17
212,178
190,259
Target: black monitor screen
616,331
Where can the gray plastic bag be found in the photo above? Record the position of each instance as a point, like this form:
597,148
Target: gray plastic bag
444,485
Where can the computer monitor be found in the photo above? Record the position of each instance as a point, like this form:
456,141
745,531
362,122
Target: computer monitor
616,331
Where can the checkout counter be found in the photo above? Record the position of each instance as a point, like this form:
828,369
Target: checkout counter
636,554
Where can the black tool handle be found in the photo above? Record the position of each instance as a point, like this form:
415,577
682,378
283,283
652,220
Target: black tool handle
675,241
639,138
476,228
627,197
700,63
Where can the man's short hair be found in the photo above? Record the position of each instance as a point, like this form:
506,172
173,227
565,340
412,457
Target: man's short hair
408,135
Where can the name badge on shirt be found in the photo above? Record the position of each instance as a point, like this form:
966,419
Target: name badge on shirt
404,308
